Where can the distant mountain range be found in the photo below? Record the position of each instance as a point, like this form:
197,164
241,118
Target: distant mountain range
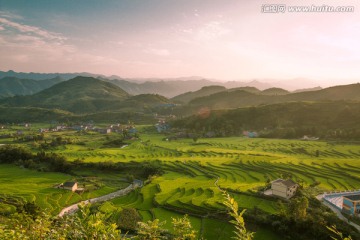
104,99
169,87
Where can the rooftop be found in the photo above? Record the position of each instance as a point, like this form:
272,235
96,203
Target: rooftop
353,197
69,184
287,183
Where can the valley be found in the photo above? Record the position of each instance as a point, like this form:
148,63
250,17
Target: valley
200,168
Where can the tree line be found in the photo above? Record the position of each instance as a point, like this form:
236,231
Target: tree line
53,162
330,120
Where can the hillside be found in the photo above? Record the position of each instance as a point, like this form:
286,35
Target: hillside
82,97
329,119
161,87
307,89
246,89
275,91
12,86
240,98
144,102
204,91
78,95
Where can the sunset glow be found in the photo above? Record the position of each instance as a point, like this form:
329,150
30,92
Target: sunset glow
226,40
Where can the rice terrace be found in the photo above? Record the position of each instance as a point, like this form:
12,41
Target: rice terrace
201,168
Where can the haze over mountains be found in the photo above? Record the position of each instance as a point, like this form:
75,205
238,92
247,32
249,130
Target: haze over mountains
98,99
169,87
88,95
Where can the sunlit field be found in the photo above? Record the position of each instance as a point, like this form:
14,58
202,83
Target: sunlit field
194,173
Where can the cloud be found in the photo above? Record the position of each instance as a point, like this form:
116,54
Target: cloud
35,31
10,15
212,30
158,52
31,48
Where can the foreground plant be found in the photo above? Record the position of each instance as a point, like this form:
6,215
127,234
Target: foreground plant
238,221
338,234
183,229
151,230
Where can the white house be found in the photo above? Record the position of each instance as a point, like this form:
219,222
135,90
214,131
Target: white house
284,188
72,186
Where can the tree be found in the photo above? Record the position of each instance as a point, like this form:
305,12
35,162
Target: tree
151,230
78,226
239,223
298,207
128,219
183,229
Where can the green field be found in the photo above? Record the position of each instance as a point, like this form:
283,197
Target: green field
38,187
194,171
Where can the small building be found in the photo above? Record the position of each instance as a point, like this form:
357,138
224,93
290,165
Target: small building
162,126
104,130
284,188
351,204
250,134
72,186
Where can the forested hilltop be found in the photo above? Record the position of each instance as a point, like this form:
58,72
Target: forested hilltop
331,120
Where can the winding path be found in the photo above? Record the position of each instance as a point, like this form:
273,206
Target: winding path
122,192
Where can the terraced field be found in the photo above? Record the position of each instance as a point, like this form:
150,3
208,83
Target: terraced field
243,166
24,184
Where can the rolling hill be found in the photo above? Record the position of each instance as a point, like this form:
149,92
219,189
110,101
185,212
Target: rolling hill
86,95
326,119
274,91
78,95
209,90
204,91
12,86
241,98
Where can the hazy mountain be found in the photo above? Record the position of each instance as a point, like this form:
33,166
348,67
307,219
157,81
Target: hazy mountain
241,98
174,87
296,83
43,76
274,91
12,86
307,89
204,91
254,83
246,89
165,88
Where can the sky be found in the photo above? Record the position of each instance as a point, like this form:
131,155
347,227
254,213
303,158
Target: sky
223,39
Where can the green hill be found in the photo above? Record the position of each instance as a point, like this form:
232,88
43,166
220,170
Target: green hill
144,102
12,86
275,91
330,119
246,89
82,98
78,95
204,91
240,98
